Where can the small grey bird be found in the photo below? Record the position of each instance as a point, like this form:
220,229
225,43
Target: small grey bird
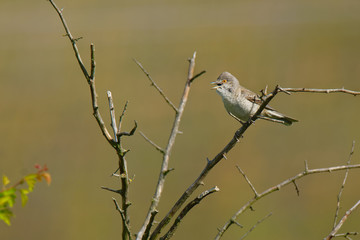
242,103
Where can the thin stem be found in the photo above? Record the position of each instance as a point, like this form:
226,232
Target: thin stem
255,225
343,219
186,210
343,185
210,164
153,83
315,90
277,188
157,147
166,156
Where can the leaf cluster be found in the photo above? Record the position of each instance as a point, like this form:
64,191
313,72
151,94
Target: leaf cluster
8,193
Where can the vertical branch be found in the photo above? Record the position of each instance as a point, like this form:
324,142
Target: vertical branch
90,78
115,143
72,40
112,115
343,185
165,163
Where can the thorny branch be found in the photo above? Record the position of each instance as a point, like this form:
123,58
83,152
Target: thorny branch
210,164
277,188
115,141
153,83
186,210
341,222
255,225
165,163
343,185
315,90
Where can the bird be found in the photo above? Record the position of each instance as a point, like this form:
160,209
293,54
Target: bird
241,103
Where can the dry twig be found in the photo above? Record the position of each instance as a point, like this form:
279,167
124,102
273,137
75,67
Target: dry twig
186,210
315,90
277,188
114,142
341,222
255,225
165,163
210,164
153,83
343,185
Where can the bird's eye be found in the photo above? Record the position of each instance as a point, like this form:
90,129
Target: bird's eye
224,81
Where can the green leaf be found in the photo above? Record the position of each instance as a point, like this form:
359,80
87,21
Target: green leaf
7,198
6,180
5,215
24,196
31,180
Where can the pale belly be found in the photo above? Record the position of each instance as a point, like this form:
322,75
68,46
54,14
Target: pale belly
242,108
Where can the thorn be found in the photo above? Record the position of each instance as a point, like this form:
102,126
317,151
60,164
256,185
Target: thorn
77,39
169,170
202,183
224,156
306,166
125,152
296,188
179,132
236,223
114,174
251,208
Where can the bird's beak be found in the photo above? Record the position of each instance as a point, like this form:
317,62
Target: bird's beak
214,87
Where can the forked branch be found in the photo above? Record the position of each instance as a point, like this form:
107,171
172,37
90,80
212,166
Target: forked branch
113,141
341,222
210,164
166,155
277,188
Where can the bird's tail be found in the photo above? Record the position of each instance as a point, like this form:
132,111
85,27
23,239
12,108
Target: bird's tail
275,116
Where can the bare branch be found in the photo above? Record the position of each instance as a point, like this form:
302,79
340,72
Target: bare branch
115,144
343,185
123,217
248,181
277,188
156,86
343,219
93,64
210,164
120,134
121,117
296,188
197,75
314,90
346,235
255,225
112,115
90,78
112,190
152,143
166,155
185,211
148,228
73,42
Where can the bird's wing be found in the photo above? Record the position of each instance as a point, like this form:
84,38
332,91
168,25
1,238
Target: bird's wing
254,98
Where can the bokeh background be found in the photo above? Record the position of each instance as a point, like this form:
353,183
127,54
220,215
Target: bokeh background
46,116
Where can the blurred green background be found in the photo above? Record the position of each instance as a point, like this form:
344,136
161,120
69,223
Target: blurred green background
46,116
